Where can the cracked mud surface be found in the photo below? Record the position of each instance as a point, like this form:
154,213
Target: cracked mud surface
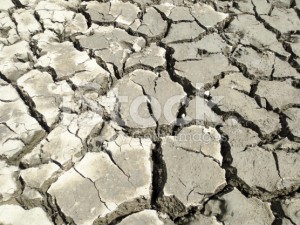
150,112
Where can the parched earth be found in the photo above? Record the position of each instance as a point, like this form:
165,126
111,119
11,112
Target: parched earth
148,112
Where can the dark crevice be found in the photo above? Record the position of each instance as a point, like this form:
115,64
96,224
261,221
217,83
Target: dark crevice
86,16
17,3
292,59
241,120
297,10
116,71
144,67
276,207
266,25
277,212
253,89
179,118
4,78
276,163
159,174
32,110
30,105
77,45
289,219
165,18
231,176
38,18
185,83
285,131
199,24
242,68
119,219
56,214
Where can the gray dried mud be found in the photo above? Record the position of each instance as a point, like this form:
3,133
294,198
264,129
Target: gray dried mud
226,151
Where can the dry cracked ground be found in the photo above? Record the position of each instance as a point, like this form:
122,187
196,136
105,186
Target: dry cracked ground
148,112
